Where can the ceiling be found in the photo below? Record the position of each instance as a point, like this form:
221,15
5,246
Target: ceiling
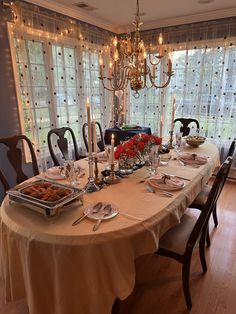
118,15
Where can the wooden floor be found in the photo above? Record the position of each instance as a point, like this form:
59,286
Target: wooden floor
158,283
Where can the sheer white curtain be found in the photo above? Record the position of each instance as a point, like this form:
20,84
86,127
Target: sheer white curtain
204,82
56,64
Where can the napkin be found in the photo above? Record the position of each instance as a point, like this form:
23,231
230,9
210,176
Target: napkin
166,182
195,159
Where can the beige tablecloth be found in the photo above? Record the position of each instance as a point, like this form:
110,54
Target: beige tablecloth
62,269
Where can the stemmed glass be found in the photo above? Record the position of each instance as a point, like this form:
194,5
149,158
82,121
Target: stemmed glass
178,142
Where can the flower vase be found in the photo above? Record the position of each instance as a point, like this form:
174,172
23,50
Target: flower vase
126,165
140,160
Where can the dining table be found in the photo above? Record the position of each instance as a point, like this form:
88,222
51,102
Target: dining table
59,268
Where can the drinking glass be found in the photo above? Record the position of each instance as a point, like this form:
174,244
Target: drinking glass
70,172
178,141
154,164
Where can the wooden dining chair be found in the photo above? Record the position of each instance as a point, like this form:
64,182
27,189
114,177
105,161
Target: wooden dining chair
178,242
15,157
185,122
201,198
100,137
62,143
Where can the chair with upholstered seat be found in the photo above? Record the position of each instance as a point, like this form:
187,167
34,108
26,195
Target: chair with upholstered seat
201,199
185,122
14,154
100,137
62,143
179,242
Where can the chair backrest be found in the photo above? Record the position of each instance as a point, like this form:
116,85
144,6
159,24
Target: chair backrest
185,129
4,182
231,148
15,157
213,196
62,143
100,137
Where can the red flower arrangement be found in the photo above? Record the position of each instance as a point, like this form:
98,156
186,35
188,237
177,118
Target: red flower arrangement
136,146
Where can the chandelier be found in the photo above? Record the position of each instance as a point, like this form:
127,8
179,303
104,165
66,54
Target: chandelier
133,63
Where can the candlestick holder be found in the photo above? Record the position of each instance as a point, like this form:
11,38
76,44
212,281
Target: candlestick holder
91,185
96,172
170,146
112,178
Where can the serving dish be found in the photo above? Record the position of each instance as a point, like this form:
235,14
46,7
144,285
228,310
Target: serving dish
195,140
45,197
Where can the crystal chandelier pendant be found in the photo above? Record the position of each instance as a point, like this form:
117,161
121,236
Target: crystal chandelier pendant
132,63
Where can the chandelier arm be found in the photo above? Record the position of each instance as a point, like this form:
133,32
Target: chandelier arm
166,83
112,89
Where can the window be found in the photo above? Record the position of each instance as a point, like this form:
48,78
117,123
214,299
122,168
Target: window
204,83
53,79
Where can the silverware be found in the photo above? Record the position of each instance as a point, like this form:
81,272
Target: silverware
183,163
105,212
95,210
173,175
161,192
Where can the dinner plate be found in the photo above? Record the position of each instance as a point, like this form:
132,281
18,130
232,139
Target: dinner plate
88,211
54,173
162,186
188,160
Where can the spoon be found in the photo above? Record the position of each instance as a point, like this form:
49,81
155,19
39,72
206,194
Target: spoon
95,210
105,212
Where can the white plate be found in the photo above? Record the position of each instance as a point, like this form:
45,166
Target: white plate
54,173
88,211
166,187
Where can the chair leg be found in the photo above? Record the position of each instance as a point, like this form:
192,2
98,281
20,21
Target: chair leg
208,241
202,250
185,279
116,306
214,213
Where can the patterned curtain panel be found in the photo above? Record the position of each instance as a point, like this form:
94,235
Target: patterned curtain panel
204,81
56,65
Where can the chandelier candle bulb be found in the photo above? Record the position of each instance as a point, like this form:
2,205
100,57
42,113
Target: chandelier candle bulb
160,42
101,67
110,69
112,149
89,128
169,64
161,126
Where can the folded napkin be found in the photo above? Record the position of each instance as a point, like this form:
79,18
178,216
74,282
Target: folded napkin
193,159
166,182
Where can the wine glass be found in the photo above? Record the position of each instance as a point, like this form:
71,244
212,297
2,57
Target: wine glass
178,142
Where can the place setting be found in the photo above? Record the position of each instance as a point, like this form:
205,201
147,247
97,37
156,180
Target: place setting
192,159
98,212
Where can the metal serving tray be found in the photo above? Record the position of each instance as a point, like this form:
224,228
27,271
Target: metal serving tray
48,208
